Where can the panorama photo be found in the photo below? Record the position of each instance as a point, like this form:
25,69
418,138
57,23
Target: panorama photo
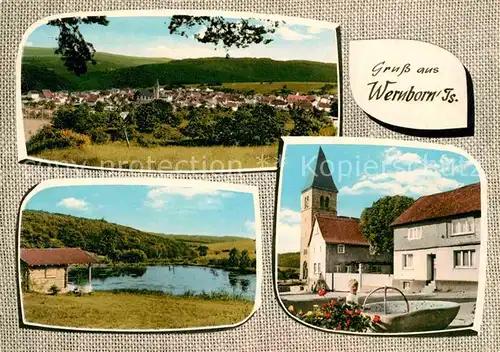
380,238
138,256
174,92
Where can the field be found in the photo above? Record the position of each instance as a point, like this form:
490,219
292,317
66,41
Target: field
289,261
118,155
268,88
106,310
31,126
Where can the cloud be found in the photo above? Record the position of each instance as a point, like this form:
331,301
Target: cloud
158,197
288,231
413,183
315,30
286,33
250,227
73,203
393,155
28,43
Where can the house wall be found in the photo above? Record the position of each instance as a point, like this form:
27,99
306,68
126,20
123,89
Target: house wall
367,282
435,234
352,254
42,279
317,255
447,276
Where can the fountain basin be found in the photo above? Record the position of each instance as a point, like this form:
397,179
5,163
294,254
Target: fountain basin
423,315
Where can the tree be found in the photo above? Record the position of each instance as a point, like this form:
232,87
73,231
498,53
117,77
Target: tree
77,53
133,256
244,260
376,220
202,250
306,123
234,258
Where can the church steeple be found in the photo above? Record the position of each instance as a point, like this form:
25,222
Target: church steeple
157,90
322,177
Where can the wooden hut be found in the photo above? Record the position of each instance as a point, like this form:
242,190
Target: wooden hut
48,267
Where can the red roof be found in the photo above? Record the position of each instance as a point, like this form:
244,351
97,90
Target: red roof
340,229
294,97
459,201
56,256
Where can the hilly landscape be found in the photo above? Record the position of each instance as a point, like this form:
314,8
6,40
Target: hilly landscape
41,69
41,229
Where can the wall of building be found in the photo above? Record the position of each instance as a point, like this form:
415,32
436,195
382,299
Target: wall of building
317,255
435,234
352,254
42,279
367,282
445,269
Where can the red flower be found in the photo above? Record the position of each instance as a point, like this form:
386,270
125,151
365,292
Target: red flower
348,322
376,318
322,292
324,306
348,312
333,303
357,312
328,315
339,327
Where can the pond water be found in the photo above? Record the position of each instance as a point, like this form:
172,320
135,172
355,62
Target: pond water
179,279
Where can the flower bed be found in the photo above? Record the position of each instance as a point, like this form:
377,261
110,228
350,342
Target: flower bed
337,315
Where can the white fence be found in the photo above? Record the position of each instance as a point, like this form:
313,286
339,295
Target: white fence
367,282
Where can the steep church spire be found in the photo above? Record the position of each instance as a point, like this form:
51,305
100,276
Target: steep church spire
322,177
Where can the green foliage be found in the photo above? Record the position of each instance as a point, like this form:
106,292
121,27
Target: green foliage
376,220
234,258
307,122
149,116
166,132
335,315
99,135
49,137
39,228
43,75
133,256
244,260
288,274
202,250
54,290
80,119
75,51
289,260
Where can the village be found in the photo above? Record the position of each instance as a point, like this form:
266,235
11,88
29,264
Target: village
36,102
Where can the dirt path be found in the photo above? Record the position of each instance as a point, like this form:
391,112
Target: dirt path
31,126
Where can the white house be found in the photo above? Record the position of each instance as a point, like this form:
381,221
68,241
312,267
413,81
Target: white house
437,241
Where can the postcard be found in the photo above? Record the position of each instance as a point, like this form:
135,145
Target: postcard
381,237
127,255
172,90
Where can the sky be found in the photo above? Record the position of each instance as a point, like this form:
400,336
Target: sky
149,37
160,209
363,174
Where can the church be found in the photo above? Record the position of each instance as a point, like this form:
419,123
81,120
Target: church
331,243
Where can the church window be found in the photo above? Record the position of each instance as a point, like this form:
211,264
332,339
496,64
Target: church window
321,202
327,202
306,202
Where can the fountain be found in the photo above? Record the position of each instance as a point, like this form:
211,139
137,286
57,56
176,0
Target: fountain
409,316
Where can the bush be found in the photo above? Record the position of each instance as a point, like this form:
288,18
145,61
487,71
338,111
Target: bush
167,132
51,138
54,290
99,136
133,256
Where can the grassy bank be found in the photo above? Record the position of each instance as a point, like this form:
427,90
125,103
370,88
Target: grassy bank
108,310
271,87
118,155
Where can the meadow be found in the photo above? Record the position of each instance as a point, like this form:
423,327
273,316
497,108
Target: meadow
123,310
165,158
268,88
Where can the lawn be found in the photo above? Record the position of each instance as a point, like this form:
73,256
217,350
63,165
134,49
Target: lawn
107,310
170,158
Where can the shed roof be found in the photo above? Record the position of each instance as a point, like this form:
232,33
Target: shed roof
463,200
341,230
56,256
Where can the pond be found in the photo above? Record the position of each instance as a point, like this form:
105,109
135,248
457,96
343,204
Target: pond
179,279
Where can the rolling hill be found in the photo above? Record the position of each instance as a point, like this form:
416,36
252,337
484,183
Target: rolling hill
40,70
40,229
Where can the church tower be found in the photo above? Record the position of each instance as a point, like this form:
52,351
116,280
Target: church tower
319,196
